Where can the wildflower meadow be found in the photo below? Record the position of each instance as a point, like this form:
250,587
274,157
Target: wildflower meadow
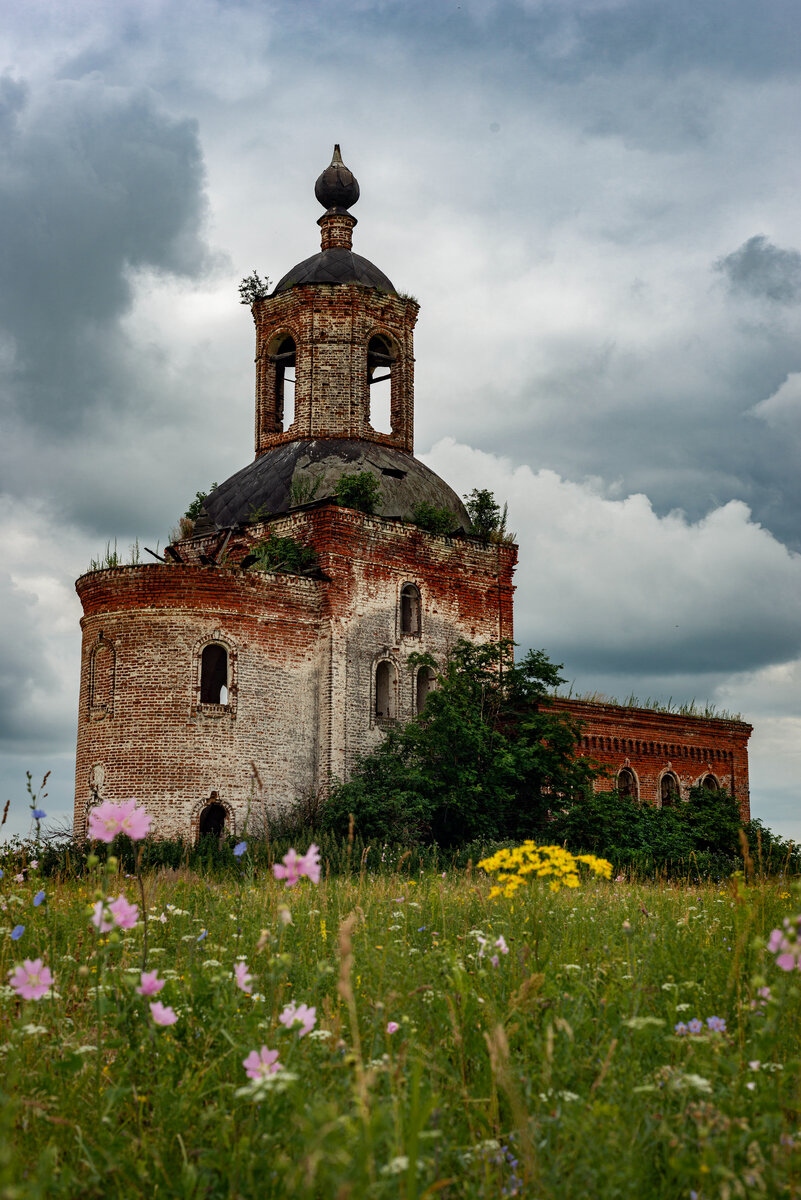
529,1026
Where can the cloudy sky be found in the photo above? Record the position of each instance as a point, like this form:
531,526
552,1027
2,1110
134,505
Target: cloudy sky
596,203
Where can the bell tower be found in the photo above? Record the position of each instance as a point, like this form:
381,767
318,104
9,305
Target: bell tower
333,332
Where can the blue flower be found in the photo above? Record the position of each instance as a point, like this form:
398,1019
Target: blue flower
38,898
17,932
39,814
203,933
240,848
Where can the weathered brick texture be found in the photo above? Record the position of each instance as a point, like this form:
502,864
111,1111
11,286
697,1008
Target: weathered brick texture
653,745
331,326
302,655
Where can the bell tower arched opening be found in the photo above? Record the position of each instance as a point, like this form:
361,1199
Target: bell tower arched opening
284,358
381,365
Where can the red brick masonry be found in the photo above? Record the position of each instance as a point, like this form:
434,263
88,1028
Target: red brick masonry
653,744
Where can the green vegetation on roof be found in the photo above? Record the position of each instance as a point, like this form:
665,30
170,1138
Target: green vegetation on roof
686,708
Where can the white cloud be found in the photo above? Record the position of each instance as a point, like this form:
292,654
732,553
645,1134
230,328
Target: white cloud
625,588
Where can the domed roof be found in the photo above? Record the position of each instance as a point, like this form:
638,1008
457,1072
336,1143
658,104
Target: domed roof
337,190
301,471
335,266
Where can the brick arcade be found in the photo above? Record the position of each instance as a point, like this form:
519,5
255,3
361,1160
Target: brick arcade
199,668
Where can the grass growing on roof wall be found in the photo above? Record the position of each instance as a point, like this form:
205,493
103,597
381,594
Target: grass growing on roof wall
610,1039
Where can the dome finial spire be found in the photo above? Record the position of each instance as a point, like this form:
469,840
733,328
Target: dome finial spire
337,188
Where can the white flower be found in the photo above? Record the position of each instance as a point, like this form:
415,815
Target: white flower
396,1166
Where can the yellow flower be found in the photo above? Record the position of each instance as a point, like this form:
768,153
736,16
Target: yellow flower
514,866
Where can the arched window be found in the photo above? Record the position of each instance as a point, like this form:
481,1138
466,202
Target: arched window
214,674
380,359
385,691
425,682
284,359
212,820
410,610
710,783
668,790
627,783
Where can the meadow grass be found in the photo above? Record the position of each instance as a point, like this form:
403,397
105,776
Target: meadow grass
439,1064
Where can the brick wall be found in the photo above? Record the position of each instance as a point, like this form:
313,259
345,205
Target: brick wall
331,326
653,744
303,655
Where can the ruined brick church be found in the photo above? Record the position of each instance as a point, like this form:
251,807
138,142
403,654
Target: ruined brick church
199,668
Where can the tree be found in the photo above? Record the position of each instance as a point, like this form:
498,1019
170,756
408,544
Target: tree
487,757
253,288
487,518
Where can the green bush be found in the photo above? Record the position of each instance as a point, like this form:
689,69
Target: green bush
360,490
703,830
193,511
440,521
282,554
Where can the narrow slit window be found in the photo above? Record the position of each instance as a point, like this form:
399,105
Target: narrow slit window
410,609
380,366
214,674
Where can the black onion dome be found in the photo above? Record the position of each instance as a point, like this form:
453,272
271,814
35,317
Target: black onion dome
335,266
337,187
308,469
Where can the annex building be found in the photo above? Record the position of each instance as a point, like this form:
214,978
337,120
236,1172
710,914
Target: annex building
215,661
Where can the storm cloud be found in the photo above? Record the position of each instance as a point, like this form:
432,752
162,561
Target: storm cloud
96,183
761,269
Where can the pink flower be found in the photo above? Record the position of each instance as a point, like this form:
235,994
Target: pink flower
299,1014
106,820
495,960
295,866
311,864
125,915
290,869
786,946
775,940
501,945
100,917
162,1014
150,984
261,1063
392,1026
134,821
32,980
242,978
